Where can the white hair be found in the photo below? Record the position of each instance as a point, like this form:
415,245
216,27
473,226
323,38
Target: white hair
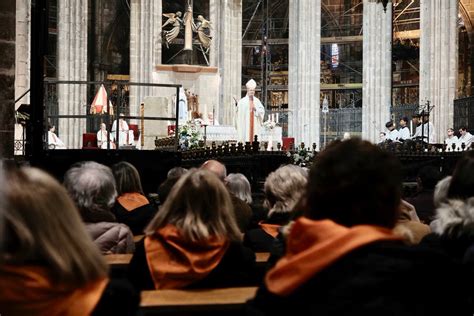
91,186
238,185
284,187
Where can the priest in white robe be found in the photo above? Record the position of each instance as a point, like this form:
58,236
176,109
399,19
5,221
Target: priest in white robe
125,134
249,114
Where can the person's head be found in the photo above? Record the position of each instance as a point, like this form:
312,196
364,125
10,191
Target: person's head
176,172
199,206
121,116
127,178
42,226
416,119
91,186
404,121
238,185
382,135
353,183
51,128
210,115
462,182
251,85
215,167
440,194
346,136
450,132
390,126
425,118
102,126
284,187
428,177
462,130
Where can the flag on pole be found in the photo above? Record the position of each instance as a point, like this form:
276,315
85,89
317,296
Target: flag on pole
99,104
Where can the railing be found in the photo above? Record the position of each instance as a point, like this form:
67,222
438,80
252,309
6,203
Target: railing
71,101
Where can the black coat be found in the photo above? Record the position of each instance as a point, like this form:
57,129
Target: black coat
382,278
260,241
136,219
237,268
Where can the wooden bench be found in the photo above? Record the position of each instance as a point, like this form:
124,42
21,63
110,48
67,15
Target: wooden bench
198,301
122,260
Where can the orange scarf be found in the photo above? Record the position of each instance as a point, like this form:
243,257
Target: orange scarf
175,263
131,201
314,245
271,229
29,291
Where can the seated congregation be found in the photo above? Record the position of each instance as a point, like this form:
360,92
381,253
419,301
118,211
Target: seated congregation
342,239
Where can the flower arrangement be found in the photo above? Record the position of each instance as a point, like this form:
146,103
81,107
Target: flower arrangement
190,134
269,124
301,157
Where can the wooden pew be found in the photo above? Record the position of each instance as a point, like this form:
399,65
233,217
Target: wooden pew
200,301
122,260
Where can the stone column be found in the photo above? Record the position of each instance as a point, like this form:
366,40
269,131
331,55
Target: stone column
22,59
72,65
226,54
304,71
7,77
145,48
377,69
439,60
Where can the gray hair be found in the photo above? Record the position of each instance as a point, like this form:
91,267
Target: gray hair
176,172
440,194
284,187
91,186
238,185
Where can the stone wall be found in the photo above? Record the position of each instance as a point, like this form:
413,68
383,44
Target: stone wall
7,76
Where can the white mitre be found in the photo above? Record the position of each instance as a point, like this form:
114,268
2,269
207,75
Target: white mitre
251,84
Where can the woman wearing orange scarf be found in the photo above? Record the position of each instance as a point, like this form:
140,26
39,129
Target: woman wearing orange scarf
49,265
193,241
342,257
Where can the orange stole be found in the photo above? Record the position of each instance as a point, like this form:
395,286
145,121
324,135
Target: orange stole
251,117
175,263
270,229
131,201
313,246
28,290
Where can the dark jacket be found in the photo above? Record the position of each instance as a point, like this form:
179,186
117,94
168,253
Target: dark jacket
382,278
243,213
261,241
424,205
136,219
119,299
236,268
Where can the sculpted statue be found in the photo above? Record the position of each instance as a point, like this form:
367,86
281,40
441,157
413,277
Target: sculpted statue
175,20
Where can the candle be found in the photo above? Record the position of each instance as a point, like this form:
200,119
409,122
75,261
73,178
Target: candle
277,117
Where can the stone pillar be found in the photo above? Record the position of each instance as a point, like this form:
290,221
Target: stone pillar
226,54
304,75
72,65
439,60
145,48
22,59
7,77
377,69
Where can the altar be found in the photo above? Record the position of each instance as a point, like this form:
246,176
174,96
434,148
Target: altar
228,133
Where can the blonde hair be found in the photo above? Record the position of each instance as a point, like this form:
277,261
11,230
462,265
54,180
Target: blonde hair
43,227
200,207
284,187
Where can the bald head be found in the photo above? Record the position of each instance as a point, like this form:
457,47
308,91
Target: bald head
215,167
